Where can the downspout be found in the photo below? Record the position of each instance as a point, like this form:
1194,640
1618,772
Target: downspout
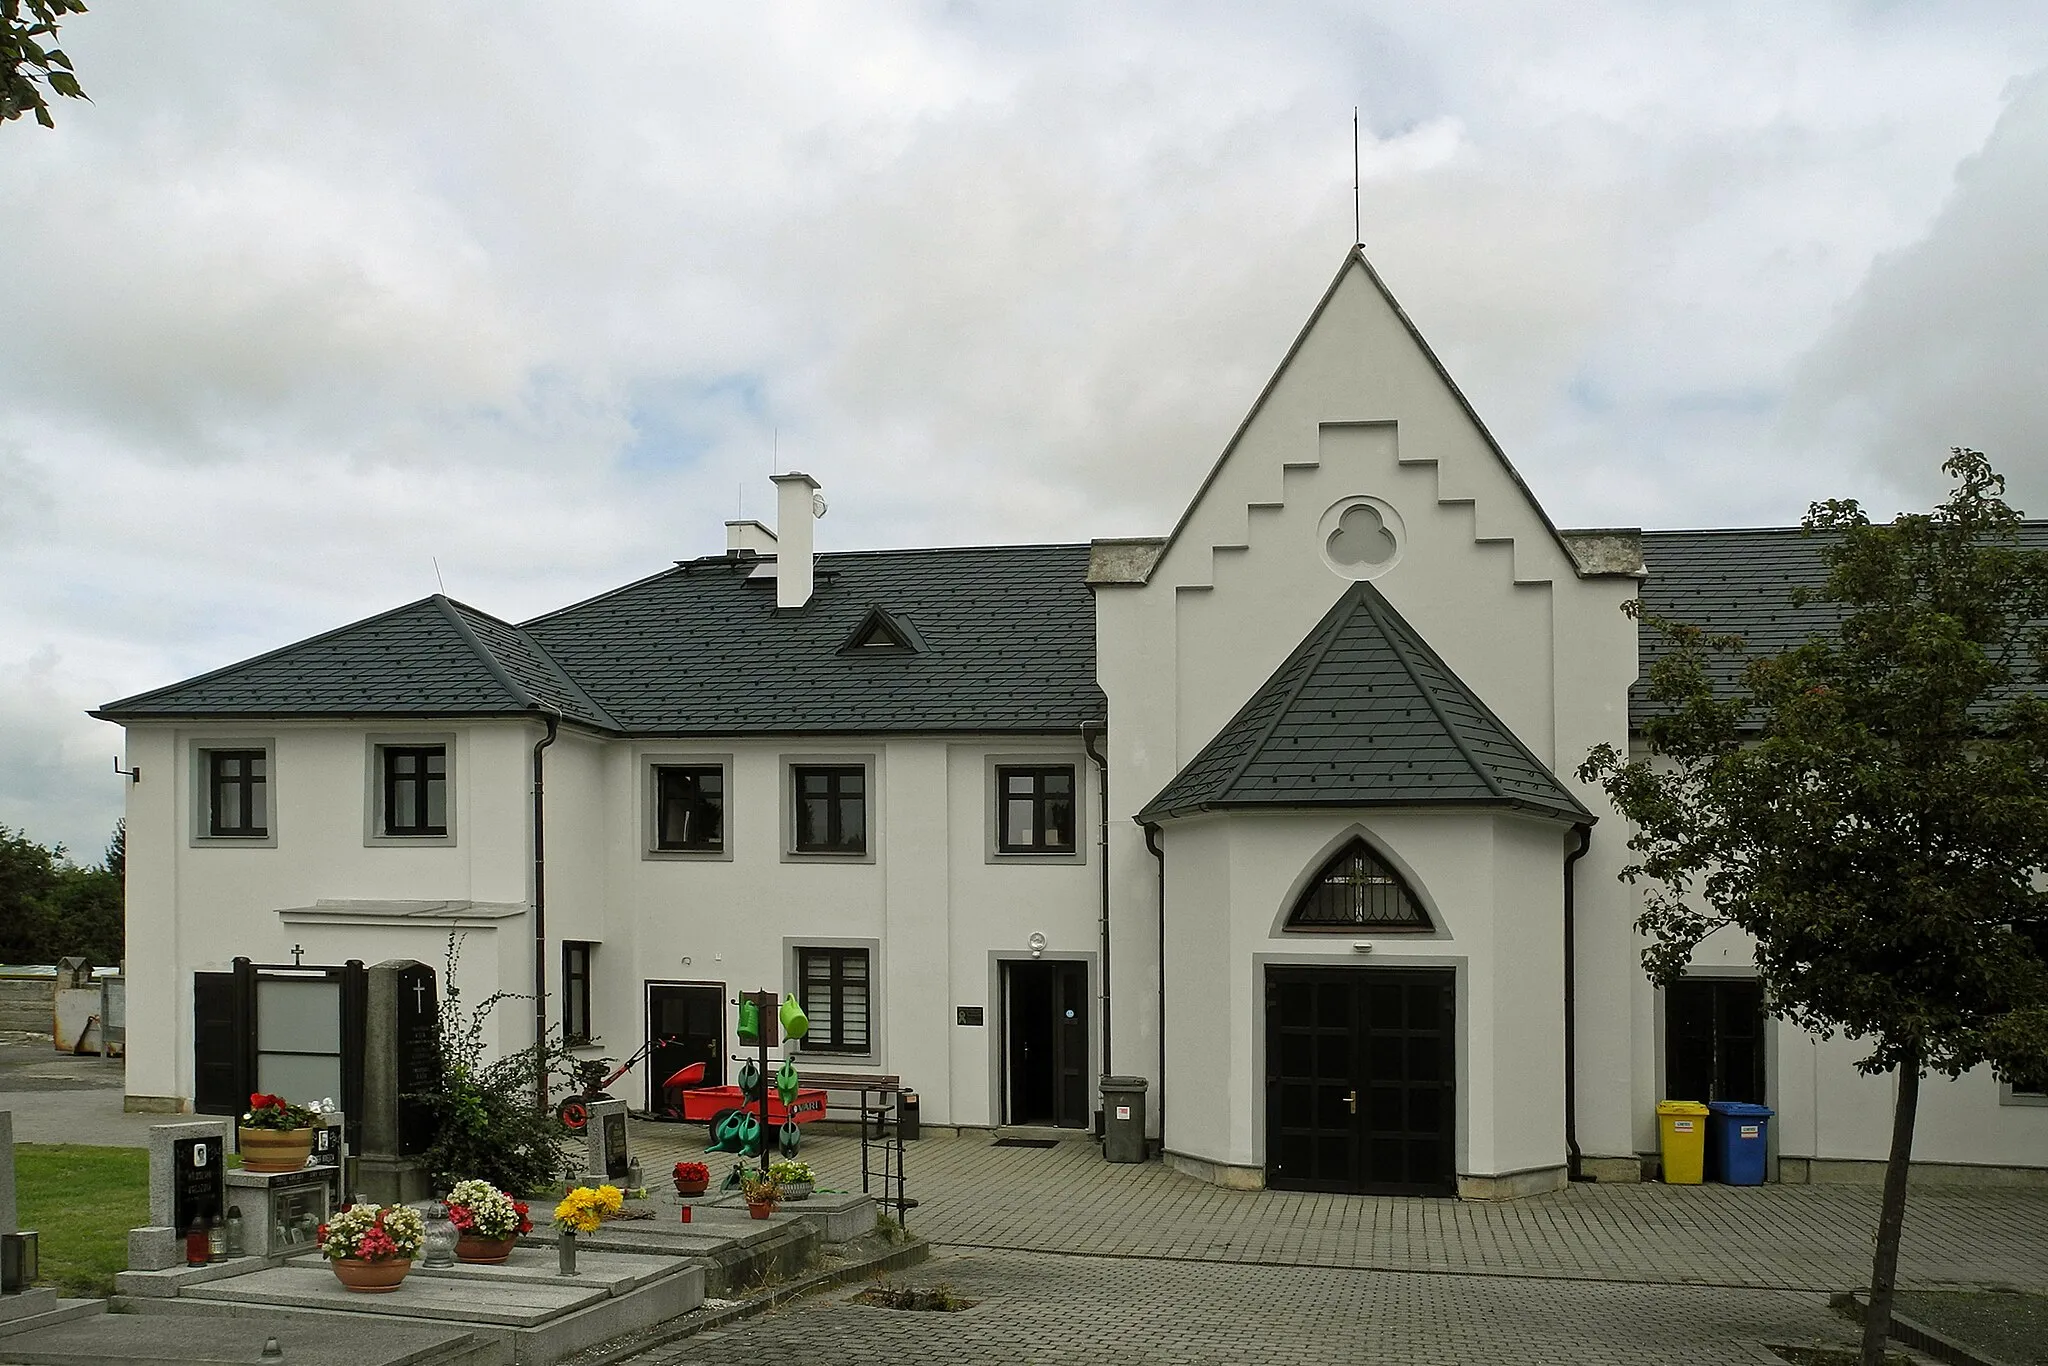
1159,1091
1089,734
540,908
1574,1159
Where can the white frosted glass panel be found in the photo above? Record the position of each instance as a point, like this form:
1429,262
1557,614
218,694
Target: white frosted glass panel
299,1079
298,1015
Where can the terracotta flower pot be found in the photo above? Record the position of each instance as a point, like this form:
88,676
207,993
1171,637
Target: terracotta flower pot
762,1210
370,1278
274,1150
470,1247
692,1187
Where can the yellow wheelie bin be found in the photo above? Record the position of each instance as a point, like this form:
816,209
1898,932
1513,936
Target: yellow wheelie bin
1682,1138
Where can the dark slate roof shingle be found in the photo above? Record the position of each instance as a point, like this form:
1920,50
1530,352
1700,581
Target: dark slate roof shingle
1005,640
1364,713
431,657
1740,582
1005,636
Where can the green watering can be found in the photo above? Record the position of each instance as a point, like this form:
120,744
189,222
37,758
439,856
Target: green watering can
750,1134
750,1080
750,1020
795,1024
785,1084
791,1140
725,1137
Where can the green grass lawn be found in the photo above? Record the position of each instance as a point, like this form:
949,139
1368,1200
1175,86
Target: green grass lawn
82,1201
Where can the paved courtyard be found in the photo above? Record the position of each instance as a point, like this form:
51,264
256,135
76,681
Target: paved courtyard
1066,1199
1036,1307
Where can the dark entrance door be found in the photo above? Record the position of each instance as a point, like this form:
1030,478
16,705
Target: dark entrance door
1045,1044
1360,1092
694,1015
1714,1040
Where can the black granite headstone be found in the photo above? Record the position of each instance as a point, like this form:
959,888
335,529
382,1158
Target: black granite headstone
198,1181
616,1161
417,1041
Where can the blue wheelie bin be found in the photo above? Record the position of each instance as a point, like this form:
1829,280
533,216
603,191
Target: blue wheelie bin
1738,1136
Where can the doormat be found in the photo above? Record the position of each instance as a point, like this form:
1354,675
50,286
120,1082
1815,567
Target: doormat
1025,1143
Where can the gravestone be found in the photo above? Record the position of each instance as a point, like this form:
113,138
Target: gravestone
187,1181
605,1158
8,1212
401,1059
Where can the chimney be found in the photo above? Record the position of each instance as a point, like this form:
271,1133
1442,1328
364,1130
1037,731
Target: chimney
744,539
794,495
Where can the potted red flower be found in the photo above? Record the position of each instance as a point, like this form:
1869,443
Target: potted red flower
275,1135
691,1178
371,1247
487,1222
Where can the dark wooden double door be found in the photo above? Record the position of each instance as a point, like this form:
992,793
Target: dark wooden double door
1045,1044
1361,1093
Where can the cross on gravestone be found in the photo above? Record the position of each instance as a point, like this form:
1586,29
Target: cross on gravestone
419,995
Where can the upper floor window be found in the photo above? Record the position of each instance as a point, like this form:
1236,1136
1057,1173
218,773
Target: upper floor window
830,808
689,807
1358,890
415,789
1036,815
237,793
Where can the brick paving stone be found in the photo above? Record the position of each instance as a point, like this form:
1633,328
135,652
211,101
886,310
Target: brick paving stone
1066,1199
1040,1307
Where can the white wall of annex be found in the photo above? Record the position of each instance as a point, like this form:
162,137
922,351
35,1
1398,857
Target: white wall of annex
197,906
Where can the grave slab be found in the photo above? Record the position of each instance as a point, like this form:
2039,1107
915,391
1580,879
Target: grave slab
135,1340
456,1299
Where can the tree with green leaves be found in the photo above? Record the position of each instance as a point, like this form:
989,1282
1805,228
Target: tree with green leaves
51,908
1871,806
28,63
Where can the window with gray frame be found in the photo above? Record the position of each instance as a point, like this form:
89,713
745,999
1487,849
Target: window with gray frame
689,807
415,779
1037,812
832,987
576,956
237,793
831,808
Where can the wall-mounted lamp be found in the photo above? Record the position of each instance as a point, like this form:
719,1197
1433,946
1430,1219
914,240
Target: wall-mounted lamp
1361,946
1037,943
133,775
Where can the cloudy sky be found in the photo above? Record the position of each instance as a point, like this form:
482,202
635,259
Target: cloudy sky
311,298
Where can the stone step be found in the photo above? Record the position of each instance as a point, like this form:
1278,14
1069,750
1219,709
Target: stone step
507,1304
46,1310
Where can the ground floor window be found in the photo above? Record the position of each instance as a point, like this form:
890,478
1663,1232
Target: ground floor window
832,986
1714,1040
576,956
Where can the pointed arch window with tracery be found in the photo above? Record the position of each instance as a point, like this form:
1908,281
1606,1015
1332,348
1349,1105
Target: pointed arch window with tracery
1358,890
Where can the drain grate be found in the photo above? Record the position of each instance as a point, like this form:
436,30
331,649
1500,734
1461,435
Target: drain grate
1026,1143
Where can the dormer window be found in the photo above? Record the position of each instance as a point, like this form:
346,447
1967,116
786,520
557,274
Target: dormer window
1358,890
883,632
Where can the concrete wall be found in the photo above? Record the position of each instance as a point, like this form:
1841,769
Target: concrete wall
26,1003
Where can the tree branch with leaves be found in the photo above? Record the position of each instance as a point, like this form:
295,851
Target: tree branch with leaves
28,62
1871,806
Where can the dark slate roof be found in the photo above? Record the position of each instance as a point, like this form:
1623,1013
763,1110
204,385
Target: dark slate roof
434,656
1740,582
1364,713
1005,641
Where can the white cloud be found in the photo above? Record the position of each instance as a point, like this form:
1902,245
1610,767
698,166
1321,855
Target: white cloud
317,296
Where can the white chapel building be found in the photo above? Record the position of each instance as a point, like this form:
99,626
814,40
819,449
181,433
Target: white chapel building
1276,811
